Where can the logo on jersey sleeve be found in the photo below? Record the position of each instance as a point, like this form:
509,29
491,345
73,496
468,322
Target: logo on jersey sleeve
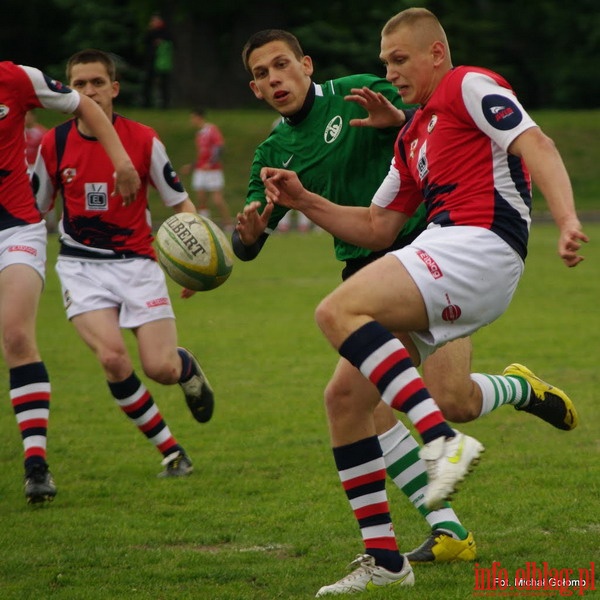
501,112
4,110
96,196
333,129
172,178
57,86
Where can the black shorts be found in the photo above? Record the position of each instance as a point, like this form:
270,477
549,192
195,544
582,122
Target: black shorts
353,265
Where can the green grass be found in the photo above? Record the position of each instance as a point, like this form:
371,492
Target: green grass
264,517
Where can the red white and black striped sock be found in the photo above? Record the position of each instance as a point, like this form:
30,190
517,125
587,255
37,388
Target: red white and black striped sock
362,472
384,360
30,397
137,403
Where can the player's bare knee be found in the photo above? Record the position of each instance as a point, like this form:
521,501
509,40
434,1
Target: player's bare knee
457,409
162,373
325,315
115,363
337,397
18,346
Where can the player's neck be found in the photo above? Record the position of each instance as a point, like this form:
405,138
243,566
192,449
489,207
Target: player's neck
83,129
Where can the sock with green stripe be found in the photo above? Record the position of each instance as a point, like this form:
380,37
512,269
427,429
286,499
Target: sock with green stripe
498,390
408,472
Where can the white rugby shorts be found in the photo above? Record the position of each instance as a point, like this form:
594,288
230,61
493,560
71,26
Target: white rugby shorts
209,181
467,277
25,244
136,287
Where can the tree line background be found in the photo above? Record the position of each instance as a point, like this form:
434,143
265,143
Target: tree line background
549,50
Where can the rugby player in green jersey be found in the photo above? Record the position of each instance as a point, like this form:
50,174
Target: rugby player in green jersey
342,155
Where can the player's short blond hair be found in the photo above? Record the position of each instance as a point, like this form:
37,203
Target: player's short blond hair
419,19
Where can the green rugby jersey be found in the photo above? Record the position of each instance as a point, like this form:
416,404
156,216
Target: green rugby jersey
342,163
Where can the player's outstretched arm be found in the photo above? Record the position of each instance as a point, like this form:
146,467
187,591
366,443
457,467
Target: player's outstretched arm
382,113
549,173
186,206
127,181
250,233
371,227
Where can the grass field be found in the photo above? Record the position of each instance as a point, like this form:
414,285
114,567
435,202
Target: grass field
264,517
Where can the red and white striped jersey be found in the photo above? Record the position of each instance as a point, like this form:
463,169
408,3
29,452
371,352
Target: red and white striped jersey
95,224
21,89
453,156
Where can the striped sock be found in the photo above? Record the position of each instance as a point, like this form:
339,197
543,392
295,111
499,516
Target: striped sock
362,473
498,390
384,360
408,472
137,403
30,398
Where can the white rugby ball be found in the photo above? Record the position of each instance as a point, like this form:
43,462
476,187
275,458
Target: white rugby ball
194,251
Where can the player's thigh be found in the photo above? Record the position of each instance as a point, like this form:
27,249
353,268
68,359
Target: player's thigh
157,345
20,290
384,291
100,330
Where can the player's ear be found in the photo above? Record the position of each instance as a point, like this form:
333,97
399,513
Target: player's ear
116,87
307,64
255,89
439,52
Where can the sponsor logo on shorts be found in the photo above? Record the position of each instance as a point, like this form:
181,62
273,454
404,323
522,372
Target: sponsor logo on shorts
4,110
451,313
157,302
435,271
22,248
333,129
67,299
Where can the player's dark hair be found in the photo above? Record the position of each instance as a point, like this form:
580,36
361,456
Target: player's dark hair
91,55
266,36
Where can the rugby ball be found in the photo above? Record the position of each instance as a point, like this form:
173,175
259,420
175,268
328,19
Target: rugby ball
194,251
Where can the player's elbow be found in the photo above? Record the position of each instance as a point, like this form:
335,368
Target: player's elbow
381,240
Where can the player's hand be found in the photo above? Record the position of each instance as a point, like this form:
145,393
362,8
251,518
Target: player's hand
185,293
282,187
251,223
127,183
382,113
569,243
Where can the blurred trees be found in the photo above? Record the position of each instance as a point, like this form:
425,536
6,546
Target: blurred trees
549,50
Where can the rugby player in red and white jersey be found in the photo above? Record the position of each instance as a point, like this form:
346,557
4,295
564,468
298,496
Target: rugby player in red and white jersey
23,251
107,266
467,153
